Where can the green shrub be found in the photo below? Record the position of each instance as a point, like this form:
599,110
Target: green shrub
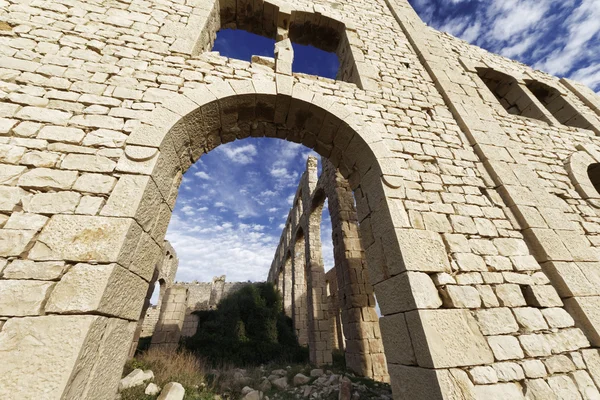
247,328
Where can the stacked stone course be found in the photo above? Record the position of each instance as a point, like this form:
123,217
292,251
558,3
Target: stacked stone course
479,227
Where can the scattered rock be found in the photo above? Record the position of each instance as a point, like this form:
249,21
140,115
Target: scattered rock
265,385
300,379
279,372
172,391
246,390
152,389
135,378
280,383
345,389
316,373
253,395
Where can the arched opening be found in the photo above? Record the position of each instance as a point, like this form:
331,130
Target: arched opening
593,172
134,219
557,104
510,94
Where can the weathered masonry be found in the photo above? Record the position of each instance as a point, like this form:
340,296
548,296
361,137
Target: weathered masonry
298,272
475,180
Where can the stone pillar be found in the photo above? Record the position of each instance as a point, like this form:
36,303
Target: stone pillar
170,323
335,314
364,348
216,292
299,292
318,325
140,324
287,286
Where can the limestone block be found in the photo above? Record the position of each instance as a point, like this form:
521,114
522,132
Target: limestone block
592,361
461,297
89,205
105,138
558,318
534,369
94,183
39,114
407,291
542,296
152,389
586,312
9,174
511,247
27,269
420,251
134,196
470,262
563,387
499,391
538,389
396,340
96,346
407,382
10,197
172,391
136,377
483,375
147,254
40,159
13,242
586,385
26,221
447,338
86,238
107,289
505,347
567,340
45,178
496,321
535,345
559,364
61,134
510,295
52,203
21,298
530,319
88,163
508,371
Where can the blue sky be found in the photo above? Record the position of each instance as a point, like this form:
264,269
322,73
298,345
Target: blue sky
561,37
233,203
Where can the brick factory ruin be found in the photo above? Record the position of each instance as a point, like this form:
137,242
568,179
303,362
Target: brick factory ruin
476,182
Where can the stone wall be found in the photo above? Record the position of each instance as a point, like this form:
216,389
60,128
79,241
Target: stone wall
342,299
479,226
199,296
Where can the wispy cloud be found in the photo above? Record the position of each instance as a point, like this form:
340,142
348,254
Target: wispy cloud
561,37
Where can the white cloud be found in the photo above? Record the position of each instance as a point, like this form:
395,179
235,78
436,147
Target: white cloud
241,252
202,175
241,154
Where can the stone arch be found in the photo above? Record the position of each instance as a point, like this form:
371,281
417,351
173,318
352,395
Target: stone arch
584,171
125,241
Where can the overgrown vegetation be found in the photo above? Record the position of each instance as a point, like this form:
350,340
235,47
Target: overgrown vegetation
170,366
247,328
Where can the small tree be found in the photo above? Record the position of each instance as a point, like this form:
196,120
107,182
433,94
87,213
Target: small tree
248,327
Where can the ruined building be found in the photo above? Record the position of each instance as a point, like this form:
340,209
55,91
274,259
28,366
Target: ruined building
475,179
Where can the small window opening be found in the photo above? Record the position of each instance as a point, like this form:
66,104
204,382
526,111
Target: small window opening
155,294
508,92
594,175
313,61
242,45
558,106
